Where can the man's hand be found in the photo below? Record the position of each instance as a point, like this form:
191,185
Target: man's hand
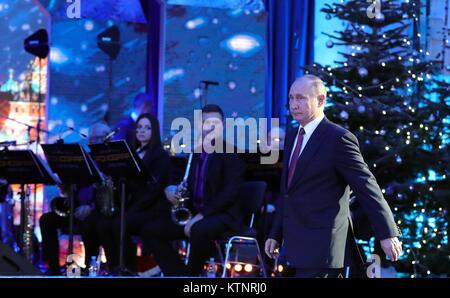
170,192
188,226
271,248
392,247
82,212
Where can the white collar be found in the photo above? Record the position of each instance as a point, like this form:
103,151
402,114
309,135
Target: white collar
311,126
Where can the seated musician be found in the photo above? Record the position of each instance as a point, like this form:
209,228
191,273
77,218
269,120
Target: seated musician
146,196
213,180
85,218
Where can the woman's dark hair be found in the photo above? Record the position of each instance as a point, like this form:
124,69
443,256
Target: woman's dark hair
155,140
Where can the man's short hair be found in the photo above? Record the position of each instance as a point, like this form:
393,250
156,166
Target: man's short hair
318,86
212,108
99,130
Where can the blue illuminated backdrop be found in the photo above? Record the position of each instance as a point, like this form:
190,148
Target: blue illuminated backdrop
223,45
79,74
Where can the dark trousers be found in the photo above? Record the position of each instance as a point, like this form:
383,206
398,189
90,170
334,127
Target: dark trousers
352,262
109,232
50,223
159,234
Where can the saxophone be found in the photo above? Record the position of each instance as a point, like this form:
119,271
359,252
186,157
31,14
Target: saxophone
60,206
104,197
180,212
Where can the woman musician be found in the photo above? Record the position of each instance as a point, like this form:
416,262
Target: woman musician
145,197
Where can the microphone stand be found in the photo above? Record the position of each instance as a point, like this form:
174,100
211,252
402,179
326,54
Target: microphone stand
38,140
121,270
24,124
39,130
204,90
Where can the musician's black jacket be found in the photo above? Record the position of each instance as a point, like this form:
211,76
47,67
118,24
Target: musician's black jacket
224,173
148,191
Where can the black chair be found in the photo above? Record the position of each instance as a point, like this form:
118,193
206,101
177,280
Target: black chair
251,198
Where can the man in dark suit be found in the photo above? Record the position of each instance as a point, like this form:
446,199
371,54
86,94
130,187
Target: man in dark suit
213,183
322,162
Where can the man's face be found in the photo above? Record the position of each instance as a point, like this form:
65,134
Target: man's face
212,121
304,106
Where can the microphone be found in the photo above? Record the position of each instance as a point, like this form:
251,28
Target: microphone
8,143
214,83
110,135
78,132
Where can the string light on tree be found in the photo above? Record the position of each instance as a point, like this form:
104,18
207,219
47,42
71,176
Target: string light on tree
330,43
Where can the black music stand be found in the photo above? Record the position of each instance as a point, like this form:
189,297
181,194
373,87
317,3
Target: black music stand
24,167
269,173
117,160
74,166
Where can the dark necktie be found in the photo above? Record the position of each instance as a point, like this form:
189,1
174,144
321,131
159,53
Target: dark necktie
295,155
199,181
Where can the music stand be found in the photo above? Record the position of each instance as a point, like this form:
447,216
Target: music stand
117,160
24,167
269,173
74,166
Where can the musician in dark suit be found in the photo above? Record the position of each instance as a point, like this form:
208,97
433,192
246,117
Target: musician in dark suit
213,182
322,162
146,197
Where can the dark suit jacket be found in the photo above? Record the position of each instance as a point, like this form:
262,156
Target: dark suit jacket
224,173
149,191
312,214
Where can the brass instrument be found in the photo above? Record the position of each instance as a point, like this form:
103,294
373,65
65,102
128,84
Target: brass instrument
104,200
104,197
60,206
180,212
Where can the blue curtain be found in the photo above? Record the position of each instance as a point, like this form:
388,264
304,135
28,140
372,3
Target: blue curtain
291,46
154,13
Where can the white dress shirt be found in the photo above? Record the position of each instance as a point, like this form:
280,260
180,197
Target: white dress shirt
141,152
309,129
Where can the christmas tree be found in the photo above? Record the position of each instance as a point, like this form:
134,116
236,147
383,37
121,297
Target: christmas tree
381,91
